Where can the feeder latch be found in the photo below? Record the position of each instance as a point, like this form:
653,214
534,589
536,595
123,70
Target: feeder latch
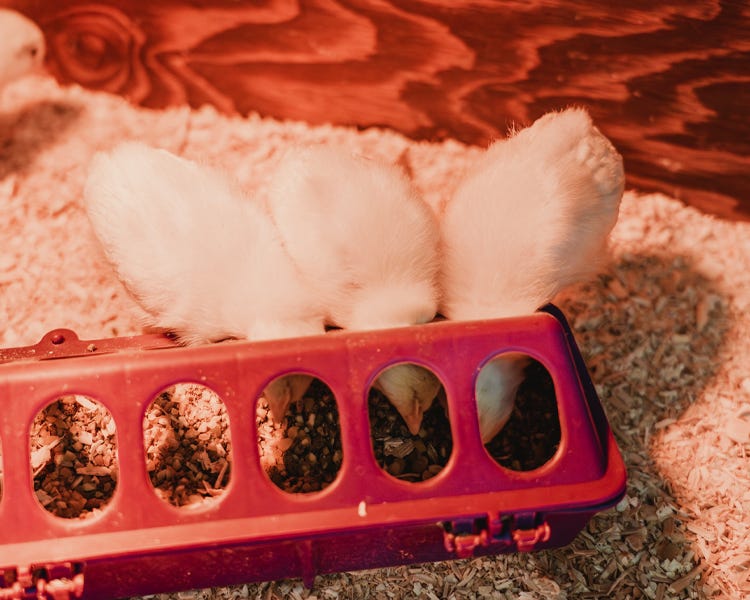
60,581
463,535
526,530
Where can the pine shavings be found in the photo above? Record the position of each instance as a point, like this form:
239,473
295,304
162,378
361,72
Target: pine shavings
664,329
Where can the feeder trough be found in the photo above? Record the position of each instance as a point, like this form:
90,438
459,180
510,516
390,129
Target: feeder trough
139,544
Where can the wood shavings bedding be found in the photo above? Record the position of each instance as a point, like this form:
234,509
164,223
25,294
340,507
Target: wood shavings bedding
665,331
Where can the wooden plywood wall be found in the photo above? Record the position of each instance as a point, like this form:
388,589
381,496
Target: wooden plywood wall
668,81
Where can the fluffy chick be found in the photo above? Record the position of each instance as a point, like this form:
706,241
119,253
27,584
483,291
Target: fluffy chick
496,387
361,235
22,46
368,245
200,258
532,217
411,389
285,390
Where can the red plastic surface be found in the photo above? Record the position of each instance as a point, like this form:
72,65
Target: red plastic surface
255,531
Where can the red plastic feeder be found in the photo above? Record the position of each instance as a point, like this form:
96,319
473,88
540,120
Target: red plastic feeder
254,531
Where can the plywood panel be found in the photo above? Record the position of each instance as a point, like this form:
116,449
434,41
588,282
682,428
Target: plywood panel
668,82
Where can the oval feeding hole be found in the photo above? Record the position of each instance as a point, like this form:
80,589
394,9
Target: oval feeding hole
299,437
517,411
188,447
409,426
74,456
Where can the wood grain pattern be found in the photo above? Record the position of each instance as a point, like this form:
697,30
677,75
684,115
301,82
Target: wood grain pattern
668,82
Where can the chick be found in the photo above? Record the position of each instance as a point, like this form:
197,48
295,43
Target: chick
22,46
530,218
411,389
361,235
496,387
536,211
284,391
200,258
368,245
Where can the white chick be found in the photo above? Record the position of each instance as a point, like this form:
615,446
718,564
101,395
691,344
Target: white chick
368,245
532,217
22,46
496,387
411,389
285,390
199,258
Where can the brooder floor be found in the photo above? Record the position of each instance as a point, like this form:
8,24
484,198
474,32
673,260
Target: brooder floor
665,330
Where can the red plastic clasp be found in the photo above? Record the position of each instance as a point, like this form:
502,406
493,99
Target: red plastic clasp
527,539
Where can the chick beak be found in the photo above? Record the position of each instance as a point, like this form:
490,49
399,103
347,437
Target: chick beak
278,394
414,419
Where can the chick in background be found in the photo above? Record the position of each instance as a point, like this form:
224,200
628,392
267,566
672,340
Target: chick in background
369,247
22,46
201,259
532,217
